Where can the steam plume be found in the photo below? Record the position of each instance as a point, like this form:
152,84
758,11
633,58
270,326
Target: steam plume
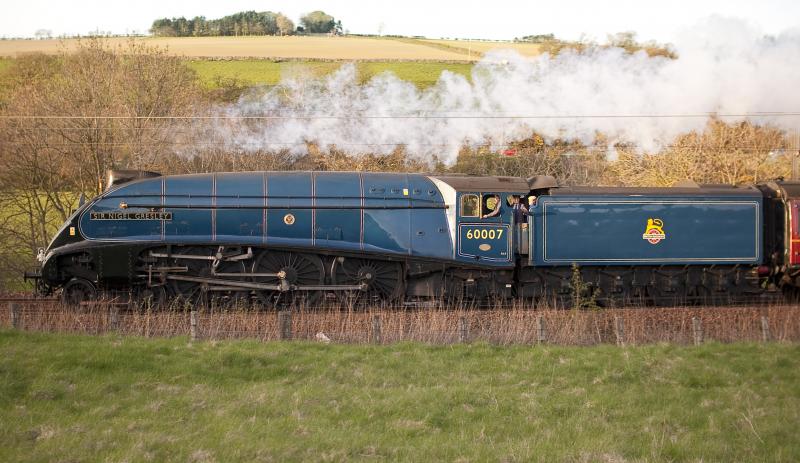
724,66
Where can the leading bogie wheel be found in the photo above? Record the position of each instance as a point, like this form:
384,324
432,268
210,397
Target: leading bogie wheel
77,291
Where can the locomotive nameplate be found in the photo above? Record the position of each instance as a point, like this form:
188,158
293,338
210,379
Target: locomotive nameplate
130,216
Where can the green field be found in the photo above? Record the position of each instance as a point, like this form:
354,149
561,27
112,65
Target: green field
265,72
80,398
214,73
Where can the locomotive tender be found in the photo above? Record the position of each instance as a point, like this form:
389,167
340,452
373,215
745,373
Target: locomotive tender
289,237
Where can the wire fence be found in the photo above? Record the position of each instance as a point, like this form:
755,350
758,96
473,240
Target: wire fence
632,326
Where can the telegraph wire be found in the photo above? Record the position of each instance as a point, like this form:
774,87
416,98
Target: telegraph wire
317,115
492,146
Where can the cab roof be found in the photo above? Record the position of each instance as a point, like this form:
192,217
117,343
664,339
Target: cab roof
494,183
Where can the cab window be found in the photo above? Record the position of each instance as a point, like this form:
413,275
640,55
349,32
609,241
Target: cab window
469,205
490,205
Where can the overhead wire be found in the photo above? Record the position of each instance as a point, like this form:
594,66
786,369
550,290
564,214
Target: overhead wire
491,146
444,115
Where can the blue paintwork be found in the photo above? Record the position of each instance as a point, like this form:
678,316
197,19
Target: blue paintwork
385,213
338,228
485,242
329,210
233,190
289,193
591,230
149,192
496,250
194,224
387,230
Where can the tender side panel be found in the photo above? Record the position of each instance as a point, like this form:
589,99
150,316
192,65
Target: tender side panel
652,231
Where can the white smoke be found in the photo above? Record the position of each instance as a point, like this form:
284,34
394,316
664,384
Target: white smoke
724,66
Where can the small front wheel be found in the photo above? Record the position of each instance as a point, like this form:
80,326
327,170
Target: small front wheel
77,291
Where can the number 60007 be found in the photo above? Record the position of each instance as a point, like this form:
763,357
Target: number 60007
484,234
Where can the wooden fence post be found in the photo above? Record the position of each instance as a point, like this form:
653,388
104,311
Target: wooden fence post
619,330
193,325
376,329
14,309
765,335
697,331
541,332
463,329
285,324
113,317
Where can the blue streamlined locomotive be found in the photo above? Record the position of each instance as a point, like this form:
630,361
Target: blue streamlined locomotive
304,237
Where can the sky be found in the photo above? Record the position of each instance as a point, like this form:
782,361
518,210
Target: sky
499,19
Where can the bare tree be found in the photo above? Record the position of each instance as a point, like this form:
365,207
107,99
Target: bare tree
76,116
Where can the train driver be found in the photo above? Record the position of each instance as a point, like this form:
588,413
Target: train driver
491,206
520,211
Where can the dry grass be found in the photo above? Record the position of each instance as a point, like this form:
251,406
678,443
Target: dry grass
334,48
516,325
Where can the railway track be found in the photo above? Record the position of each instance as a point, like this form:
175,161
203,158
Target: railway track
765,300
29,300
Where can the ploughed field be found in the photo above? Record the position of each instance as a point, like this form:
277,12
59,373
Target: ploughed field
305,47
83,398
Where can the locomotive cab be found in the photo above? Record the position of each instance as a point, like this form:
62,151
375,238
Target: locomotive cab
484,219
484,227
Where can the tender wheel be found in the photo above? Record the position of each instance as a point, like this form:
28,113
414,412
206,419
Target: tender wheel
298,270
78,290
668,287
791,293
383,280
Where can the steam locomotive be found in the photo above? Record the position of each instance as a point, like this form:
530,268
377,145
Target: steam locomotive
282,238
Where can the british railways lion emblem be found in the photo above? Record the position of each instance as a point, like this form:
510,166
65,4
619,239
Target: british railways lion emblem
654,231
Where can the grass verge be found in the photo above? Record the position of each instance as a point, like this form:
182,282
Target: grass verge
81,398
